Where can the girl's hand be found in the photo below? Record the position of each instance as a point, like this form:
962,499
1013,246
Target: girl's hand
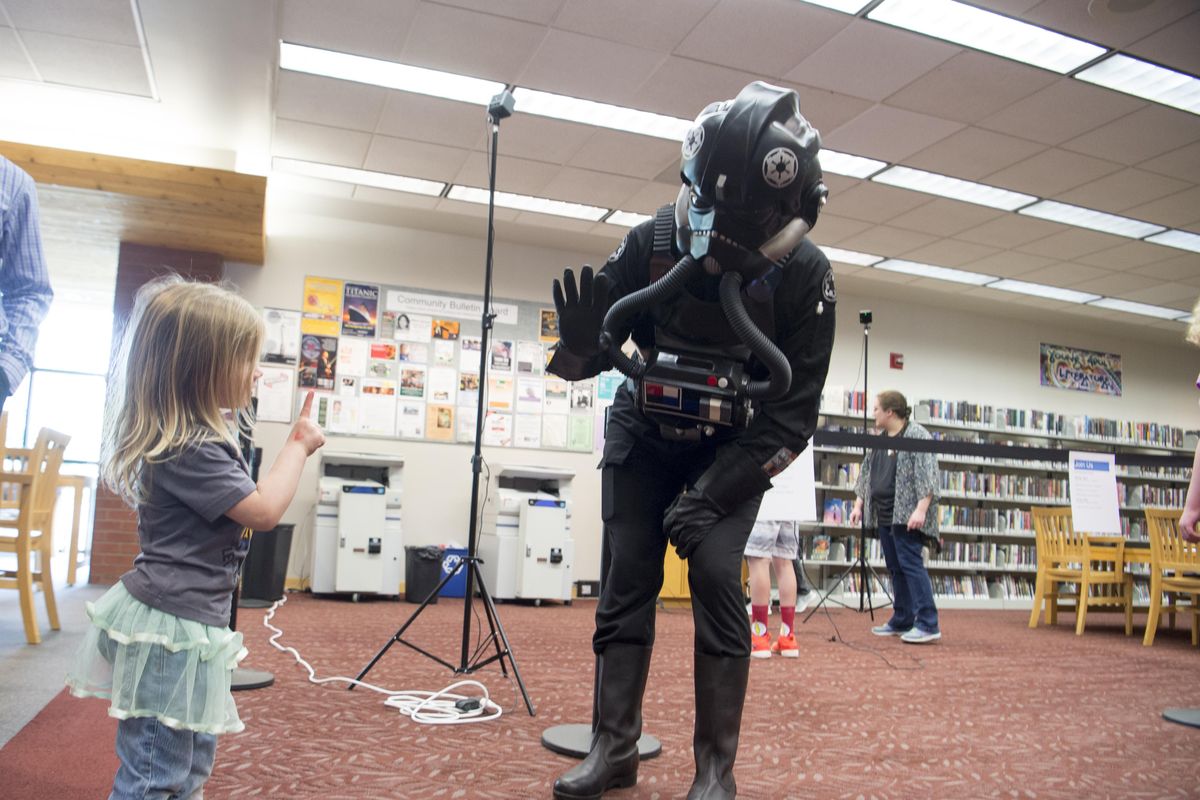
1187,526
307,432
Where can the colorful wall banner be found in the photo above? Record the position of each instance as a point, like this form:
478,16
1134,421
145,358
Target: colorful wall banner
1081,370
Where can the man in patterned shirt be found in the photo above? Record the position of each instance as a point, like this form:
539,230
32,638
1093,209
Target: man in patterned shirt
24,282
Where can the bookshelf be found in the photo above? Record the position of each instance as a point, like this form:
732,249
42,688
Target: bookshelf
988,558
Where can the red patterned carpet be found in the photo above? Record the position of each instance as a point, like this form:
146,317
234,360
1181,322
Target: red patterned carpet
994,710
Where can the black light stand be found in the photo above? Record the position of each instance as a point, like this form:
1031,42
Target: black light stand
865,570
247,679
501,106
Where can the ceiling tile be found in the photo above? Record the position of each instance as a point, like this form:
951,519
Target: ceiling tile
1073,243
1173,46
326,101
1011,230
432,119
1172,295
1063,110
1009,264
1012,8
540,138
1051,172
386,197
470,42
766,37
661,25
363,27
832,229
98,20
516,175
974,152
594,69
1114,284
13,63
290,184
539,11
433,162
1182,163
628,154
89,64
556,223
870,61
652,195
1123,190
876,202
827,110
319,143
839,184
593,188
883,240
951,253
1112,23
890,134
1182,267
1125,140
943,217
1066,274
980,85
475,209
1128,255
1178,209
681,87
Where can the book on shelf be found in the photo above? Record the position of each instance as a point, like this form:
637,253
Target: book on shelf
820,548
836,512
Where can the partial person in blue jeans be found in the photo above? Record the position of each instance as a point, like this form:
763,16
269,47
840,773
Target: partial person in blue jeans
898,490
159,648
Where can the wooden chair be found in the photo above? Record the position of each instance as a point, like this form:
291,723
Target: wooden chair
29,531
1174,567
1089,562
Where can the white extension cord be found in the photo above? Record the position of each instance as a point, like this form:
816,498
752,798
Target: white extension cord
428,708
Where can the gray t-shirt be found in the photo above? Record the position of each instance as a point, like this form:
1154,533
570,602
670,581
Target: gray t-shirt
191,551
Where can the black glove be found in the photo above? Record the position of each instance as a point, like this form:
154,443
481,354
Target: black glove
732,479
581,313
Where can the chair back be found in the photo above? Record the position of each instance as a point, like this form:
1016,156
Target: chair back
1167,546
1054,533
44,465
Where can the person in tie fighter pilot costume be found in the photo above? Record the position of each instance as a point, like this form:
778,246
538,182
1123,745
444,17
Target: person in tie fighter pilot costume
732,310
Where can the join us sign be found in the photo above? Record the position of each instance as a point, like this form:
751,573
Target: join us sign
1081,370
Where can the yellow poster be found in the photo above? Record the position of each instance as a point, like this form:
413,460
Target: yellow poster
322,306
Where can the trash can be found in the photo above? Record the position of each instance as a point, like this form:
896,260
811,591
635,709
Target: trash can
265,569
422,571
456,586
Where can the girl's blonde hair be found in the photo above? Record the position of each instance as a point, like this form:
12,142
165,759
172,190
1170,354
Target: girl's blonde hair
183,356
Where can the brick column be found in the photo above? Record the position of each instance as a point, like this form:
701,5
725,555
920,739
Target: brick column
114,536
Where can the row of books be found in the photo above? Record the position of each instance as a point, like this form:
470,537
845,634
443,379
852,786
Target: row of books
970,587
1011,587
1003,486
1142,495
986,520
975,587
1151,433
985,554
839,473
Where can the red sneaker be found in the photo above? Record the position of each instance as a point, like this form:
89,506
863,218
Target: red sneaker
760,646
786,646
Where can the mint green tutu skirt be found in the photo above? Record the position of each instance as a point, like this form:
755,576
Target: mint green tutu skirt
149,663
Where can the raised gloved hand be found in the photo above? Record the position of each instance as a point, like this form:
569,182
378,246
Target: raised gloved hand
581,311
732,479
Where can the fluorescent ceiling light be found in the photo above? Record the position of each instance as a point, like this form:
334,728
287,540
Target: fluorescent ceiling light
931,271
1148,81
1180,239
1088,218
1145,309
954,188
984,30
626,218
850,256
1041,290
845,6
362,177
846,164
388,74
604,115
522,202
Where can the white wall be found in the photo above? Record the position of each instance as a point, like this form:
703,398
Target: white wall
948,354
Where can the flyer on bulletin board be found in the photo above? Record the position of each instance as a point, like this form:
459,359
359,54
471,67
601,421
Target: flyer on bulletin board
322,309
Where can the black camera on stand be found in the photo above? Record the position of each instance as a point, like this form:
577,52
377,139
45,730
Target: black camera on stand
864,317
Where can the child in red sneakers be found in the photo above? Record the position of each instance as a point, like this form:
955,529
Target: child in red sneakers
772,543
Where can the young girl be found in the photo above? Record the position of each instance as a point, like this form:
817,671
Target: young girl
160,647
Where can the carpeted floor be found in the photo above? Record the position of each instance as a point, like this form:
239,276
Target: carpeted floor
994,710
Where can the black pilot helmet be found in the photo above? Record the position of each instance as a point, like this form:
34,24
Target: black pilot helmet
752,185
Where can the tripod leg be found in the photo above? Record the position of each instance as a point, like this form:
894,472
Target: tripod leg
497,628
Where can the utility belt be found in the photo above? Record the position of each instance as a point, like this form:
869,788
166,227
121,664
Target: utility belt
693,396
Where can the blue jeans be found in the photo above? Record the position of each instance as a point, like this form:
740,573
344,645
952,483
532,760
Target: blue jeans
158,762
912,593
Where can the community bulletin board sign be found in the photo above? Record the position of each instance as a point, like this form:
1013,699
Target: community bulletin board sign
1081,370
396,362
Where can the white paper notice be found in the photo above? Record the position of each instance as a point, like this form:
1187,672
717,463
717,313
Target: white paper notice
275,390
793,495
1094,506
352,356
410,419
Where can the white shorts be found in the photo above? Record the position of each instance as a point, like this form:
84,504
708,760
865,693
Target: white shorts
770,539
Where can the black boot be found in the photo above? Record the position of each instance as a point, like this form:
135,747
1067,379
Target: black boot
720,693
613,760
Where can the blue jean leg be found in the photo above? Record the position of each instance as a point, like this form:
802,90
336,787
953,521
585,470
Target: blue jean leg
916,577
159,762
902,607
